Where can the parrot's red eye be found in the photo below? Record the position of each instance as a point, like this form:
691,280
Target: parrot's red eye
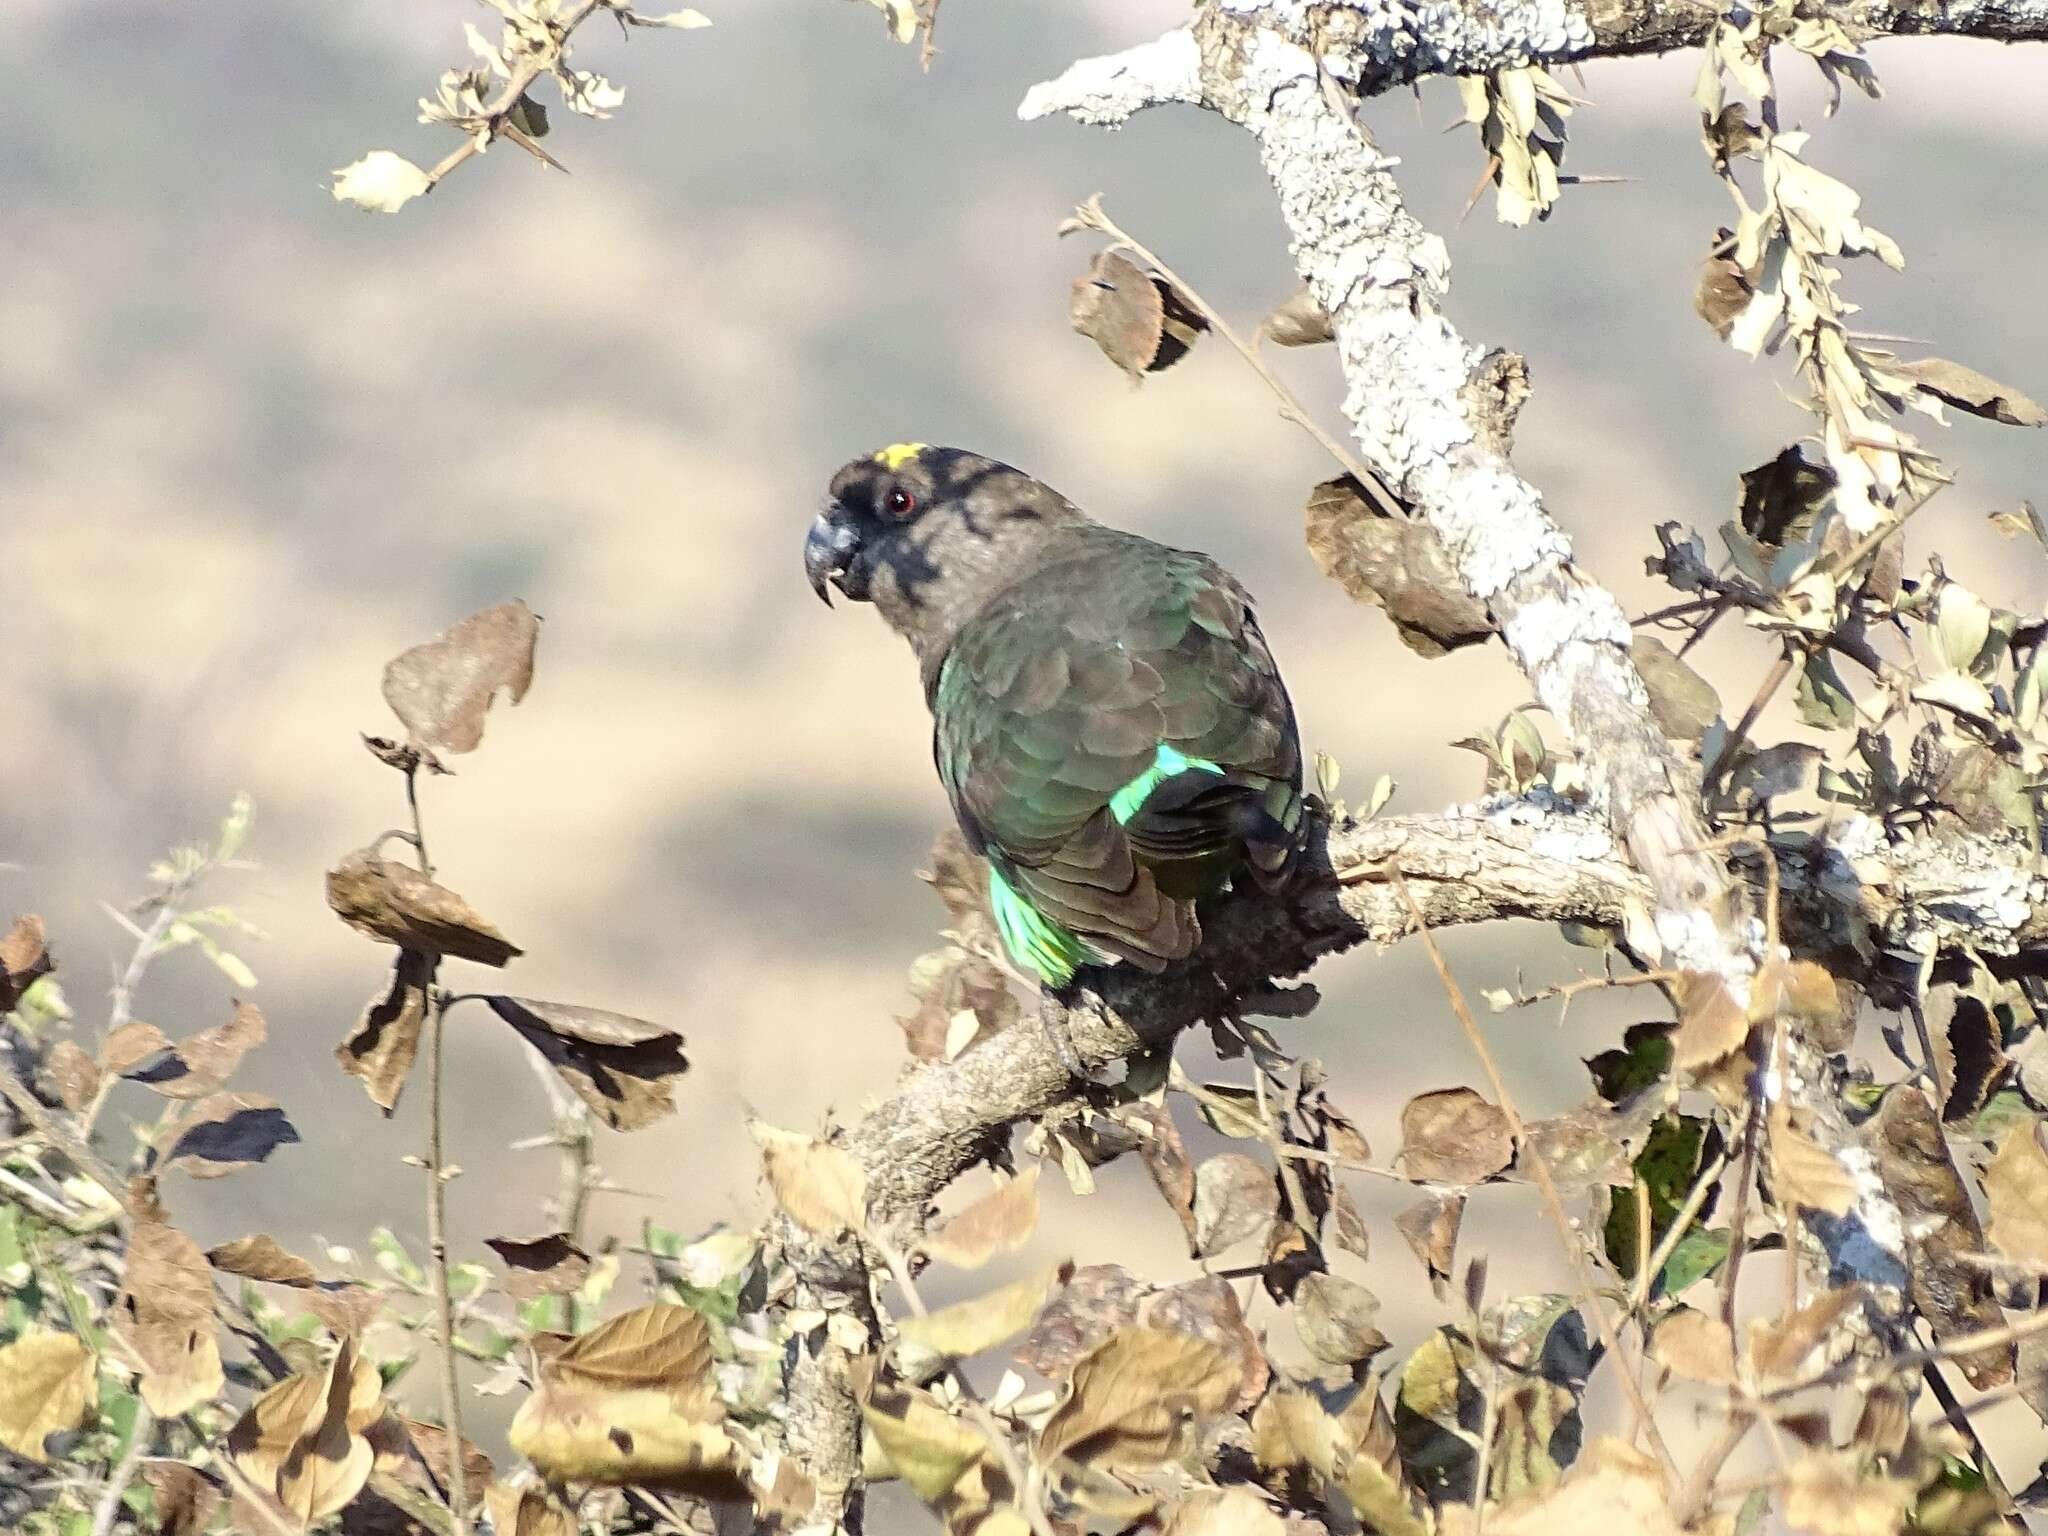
900,503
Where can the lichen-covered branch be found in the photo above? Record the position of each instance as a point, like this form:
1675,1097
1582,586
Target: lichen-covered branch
1374,48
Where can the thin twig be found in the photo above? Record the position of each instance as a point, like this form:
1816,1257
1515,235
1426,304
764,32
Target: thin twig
1732,742
492,118
438,1176
1539,1168
1709,1176
1698,1492
1290,406
108,1507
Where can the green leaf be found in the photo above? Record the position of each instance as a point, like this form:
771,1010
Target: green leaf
1823,702
393,1259
1642,1060
1672,1156
1697,1255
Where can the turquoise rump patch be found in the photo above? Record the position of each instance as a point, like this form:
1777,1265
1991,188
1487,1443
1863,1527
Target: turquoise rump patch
1167,761
1034,940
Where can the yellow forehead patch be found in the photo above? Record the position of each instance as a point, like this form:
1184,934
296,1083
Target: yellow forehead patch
896,455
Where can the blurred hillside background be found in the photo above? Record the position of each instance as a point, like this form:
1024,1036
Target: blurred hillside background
253,443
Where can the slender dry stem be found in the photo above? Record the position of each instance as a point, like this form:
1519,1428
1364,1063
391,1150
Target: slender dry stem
1539,1169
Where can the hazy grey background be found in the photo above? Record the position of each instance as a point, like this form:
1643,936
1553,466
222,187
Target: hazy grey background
252,443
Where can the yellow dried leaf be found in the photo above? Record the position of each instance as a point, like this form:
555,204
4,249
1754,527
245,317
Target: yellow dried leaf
46,1380
1001,1220
303,1443
660,1348
1612,1488
927,1447
1700,1348
528,1510
1803,1172
164,1319
1135,1398
1779,1347
641,1435
824,1190
1224,1512
1710,1022
968,1327
2016,1189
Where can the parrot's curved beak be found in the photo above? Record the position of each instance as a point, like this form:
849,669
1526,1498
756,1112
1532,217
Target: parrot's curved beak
829,549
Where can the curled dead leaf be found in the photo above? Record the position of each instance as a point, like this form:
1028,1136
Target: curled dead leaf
822,1187
46,1382
381,1047
23,957
394,902
1453,1136
442,690
999,1221
164,1319
227,1132
1136,317
622,1067
549,1265
199,1064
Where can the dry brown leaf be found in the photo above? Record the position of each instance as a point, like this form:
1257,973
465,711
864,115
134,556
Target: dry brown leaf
185,1498
1134,1400
1952,1293
1682,702
1613,1489
1165,1157
622,1067
413,1454
1797,989
1710,1022
1396,565
1235,1199
441,690
197,1065
823,1188
982,1322
394,902
957,990
920,1442
381,1047
304,1442
259,1257
1334,1318
1779,1348
23,958
132,1042
1224,1512
1803,1172
1299,322
227,1132
1345,1225
1832,1494
617,1437
659,1346
1207,1309
999,1221
1691,1344
1431,1230
1134,316
1968,390
549,1265
46,1382
632,1401
164,1319
2016,1190
528,1510
1097,1300
1453,1136
75,1075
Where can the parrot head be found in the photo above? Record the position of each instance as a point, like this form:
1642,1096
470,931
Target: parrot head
926,533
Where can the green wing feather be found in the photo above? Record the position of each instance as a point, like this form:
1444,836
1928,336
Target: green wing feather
1115,737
